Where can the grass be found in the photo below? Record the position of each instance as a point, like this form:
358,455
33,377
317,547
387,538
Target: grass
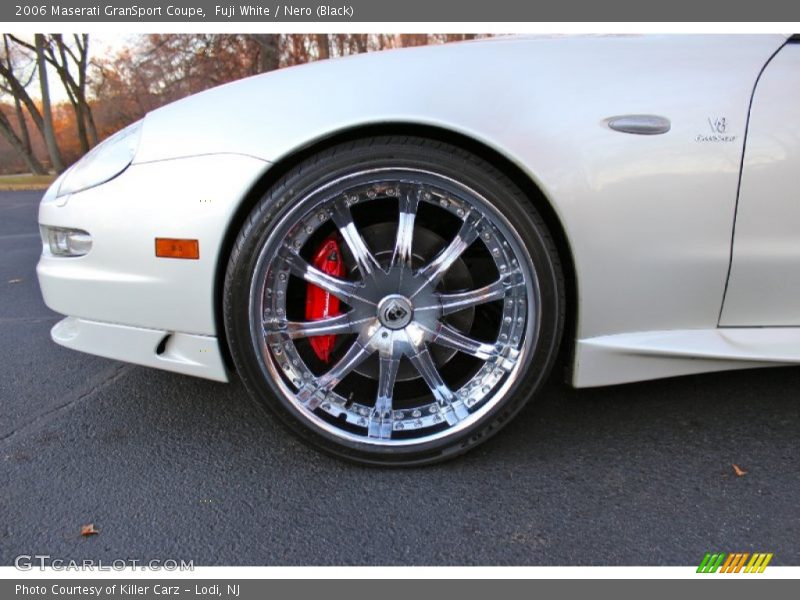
25,181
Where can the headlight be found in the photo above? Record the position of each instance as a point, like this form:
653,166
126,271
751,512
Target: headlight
104,162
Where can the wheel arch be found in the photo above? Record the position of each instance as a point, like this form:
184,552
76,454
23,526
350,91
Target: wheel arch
502,162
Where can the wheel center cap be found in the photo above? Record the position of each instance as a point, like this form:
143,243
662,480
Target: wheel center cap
395,311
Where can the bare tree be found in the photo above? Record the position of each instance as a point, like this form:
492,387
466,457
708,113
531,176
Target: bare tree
64,59
15,85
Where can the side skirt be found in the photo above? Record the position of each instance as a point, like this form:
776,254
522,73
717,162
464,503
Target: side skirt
627,357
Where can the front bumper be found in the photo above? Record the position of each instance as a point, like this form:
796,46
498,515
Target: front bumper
197,355
122,300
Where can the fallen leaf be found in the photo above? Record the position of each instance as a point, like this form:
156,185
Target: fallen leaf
15,280
89,530
740,472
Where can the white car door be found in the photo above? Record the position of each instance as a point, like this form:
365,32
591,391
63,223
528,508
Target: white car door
764,282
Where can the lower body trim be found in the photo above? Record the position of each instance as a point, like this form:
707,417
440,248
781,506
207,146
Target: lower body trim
196,355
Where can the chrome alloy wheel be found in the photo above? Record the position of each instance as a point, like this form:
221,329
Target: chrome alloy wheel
441,307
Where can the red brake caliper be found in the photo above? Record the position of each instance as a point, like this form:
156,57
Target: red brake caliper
321,304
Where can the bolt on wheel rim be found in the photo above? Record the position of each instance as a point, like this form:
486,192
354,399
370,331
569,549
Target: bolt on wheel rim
398,309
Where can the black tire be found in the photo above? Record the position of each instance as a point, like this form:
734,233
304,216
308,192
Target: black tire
394,152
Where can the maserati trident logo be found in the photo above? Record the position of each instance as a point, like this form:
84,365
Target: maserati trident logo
394,312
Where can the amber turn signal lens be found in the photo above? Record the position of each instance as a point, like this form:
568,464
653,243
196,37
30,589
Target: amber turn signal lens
169,248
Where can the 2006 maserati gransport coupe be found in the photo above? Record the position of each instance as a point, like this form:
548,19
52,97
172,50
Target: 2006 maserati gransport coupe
391,249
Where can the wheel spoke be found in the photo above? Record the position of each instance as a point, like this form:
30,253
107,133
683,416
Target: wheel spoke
343,219
313,393
380,423
454,302
402,256
433,272
347,291
327,326
453,411
452,338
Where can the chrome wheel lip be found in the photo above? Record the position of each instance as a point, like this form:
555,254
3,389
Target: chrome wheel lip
372,326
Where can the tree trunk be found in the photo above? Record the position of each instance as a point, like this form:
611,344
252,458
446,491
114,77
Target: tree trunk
91,128
269,53
25,135
80,123
361,42
47,114
323,46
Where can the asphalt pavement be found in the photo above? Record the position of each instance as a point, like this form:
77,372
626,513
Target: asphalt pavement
170,467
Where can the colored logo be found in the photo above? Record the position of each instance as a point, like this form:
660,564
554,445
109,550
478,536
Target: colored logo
736,562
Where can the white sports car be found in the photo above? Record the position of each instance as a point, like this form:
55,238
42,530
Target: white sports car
390,249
